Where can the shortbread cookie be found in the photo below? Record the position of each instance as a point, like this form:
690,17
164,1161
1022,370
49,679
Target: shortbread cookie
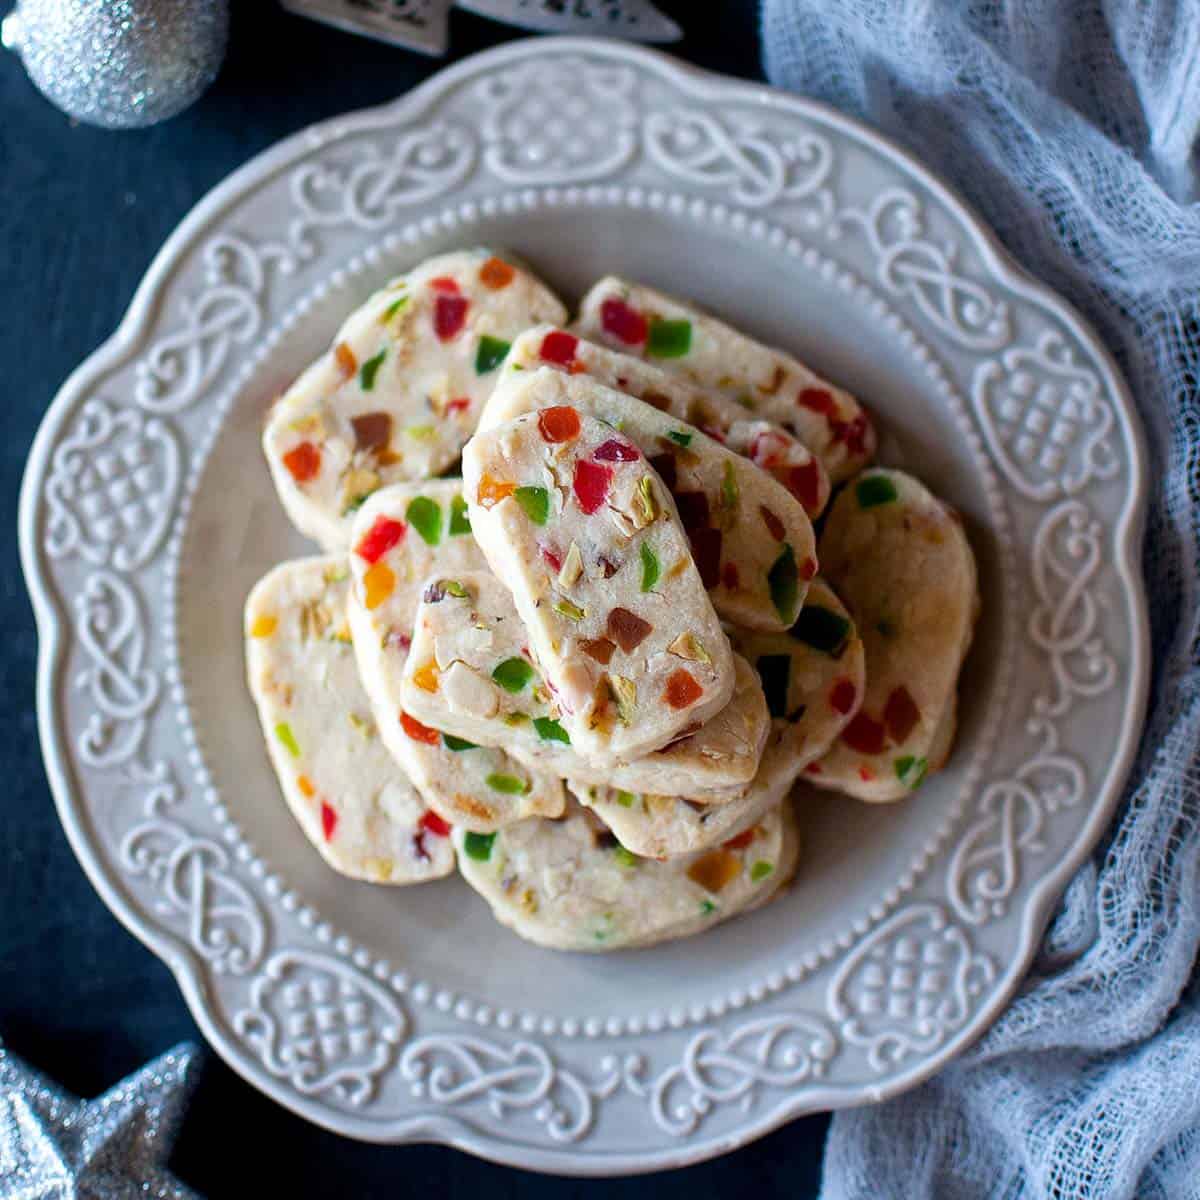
350,798
400,389
576,524
405,533
901,561
570,885
768,383
751,539
470,672
765,443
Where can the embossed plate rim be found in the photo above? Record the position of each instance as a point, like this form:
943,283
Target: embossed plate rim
1036,901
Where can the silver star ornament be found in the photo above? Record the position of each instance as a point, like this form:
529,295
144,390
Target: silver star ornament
58,1147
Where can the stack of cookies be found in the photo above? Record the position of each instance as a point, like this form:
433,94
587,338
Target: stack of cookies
591,669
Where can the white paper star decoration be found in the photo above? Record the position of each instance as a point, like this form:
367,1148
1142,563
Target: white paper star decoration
57,1147
424,24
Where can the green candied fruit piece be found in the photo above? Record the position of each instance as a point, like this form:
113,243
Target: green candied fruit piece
783,580
549,730
460,522
910,770
625,857
513,674
283,731
536,503
651,568
875,490
425,516
509,785
392,309
669,339
707,907
456,743
626,799
760,870
491,354
822,629
369,369
453,588
679,437
420,432
774,670
729,487
478,846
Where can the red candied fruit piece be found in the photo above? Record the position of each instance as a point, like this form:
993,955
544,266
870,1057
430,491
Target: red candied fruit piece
615,451
591,484
765,449
742,840
693,510
772,522
730,577
706,552
419,732
901,713
808,568
664,464
459,404
866,774
816,400
559,348
855,434
449,316
552,558
303,462
813,768
841,696
804,482
682,690
329,819
435,824
558,424
445,284
624,322
380,538
864,734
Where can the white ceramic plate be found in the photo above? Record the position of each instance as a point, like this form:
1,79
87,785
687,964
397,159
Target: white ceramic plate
404,1015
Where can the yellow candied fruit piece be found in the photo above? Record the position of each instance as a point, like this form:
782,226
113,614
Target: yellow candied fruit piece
492,491
716,870
379,583
305,785
263,626
426,677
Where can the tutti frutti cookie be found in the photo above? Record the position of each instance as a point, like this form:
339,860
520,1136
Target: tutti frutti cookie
470,672
767,444
349,797
570,884
576,524
900,560
751,540
403,534
400,389
766,382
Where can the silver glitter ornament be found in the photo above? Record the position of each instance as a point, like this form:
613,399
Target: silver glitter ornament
110,1148
119,63
424,24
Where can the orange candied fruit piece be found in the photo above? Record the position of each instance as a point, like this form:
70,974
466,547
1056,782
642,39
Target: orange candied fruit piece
305,785
379,583
263,626
559,424
304,461
419,732
492,491
682,690
716,870
496,274
345,359
426,678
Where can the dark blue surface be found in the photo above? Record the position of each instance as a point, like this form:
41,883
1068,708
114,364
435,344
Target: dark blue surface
82,212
